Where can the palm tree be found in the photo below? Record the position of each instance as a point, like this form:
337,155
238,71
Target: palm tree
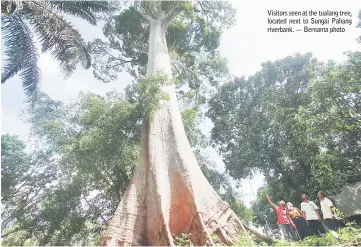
24,20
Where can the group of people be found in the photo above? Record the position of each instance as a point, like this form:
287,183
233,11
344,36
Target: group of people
296,224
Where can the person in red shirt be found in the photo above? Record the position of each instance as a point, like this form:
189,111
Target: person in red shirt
283,219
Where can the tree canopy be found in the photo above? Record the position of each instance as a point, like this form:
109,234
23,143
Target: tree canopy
297,121
193,36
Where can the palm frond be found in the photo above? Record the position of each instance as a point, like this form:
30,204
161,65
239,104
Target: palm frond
83,9
8,7
21,54
56,35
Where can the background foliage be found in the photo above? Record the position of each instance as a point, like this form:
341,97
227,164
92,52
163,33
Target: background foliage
297,121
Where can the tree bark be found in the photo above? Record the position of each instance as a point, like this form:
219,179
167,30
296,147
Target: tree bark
168,194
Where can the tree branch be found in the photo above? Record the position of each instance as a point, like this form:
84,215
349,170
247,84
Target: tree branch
114,181
209,10
24,183
122,61
169,16
147,17
177,62
184,68
149,14
176,69
105,179
204,11
96,208
12,231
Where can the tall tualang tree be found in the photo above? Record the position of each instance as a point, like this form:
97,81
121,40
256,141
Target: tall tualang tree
69,186
168,193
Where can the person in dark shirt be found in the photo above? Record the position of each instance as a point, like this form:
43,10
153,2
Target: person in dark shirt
296,216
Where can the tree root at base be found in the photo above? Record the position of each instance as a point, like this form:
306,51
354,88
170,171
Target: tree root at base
168,193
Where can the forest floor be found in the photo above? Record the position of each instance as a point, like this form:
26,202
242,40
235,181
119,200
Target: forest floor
347,236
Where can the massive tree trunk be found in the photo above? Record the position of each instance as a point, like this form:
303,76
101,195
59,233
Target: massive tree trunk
168,194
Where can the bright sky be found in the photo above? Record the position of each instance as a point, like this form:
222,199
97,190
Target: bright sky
245,46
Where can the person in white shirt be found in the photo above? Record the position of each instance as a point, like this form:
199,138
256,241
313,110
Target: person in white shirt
311,214
327,209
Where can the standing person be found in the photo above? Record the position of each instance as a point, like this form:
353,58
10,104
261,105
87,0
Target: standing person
312,215
296,216
328,212
283,219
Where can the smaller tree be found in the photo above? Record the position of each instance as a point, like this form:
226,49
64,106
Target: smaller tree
295,116
36,206
263,213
